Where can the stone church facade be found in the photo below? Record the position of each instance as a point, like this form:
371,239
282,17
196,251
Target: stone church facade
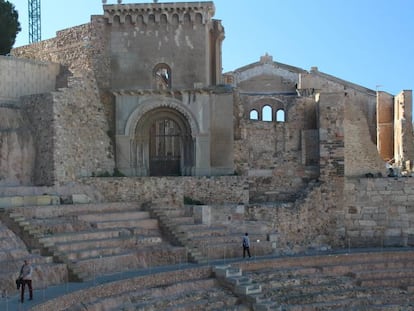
139,91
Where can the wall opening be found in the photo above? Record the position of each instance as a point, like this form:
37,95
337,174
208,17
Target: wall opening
254,115
267,113
162,76
280,115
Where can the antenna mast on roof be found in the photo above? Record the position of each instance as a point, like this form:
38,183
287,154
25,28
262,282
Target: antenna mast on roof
34,21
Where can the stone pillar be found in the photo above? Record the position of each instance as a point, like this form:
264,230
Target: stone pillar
331,135
202,165
385,125
403,129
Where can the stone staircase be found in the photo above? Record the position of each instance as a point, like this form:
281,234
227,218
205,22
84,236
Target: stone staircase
203,242
366,281
91,239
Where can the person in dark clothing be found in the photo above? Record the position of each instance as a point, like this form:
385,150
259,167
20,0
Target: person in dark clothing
26,279
246,245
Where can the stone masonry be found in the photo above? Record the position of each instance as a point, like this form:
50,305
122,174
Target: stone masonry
112,102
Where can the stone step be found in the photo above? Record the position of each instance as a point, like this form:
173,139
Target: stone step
381,301
226,271
344,261
192,231
139,258
231,250
202,294
230,238
28,200
91,253
177,220
378,274
354,267
141,223
81,236
397,282
8,242
124,215
171,213
72,246
357,296
239,280
248,289
55,211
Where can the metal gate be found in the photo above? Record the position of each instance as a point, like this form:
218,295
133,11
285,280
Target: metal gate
165,148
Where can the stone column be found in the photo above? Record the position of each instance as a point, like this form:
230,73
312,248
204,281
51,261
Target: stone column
202,165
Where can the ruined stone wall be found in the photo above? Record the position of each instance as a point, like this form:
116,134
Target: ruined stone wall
17,147
378,212
271,154
207,190
309,223
39,109
71,47
361,152
331,135
21,77
81,141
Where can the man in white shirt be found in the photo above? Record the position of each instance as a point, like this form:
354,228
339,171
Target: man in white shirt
26,277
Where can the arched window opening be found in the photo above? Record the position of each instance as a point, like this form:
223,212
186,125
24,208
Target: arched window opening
254,115
175,20
199,18
280,115
162,76
267,113
187,19
163,19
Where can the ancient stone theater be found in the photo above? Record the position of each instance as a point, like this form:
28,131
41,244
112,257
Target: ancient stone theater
124,147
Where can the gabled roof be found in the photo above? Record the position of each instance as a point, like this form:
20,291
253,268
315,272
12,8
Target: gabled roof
268,59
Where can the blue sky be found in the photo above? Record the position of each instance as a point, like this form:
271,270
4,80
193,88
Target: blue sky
367,42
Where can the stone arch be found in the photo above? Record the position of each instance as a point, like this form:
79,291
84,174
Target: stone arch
199,18
254,115
274,103
159,102
147,160
280,115
267,113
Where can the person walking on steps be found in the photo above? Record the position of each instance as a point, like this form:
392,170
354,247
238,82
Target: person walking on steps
26,279
246,245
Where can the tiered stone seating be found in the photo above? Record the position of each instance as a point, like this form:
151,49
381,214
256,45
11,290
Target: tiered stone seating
322,282
12,254
206,242
95,239
354,281
201,294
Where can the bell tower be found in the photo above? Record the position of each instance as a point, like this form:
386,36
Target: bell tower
180,37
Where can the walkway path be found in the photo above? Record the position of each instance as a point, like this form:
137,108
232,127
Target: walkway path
43,294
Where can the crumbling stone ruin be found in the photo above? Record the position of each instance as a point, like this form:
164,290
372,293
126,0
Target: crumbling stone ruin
133,106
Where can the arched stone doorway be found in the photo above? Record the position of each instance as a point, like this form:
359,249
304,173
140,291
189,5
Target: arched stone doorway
163,144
